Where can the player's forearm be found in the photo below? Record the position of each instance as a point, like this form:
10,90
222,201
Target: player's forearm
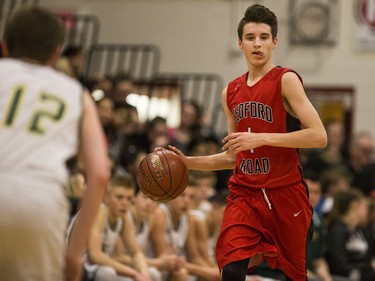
124,259
140,262
209,273
219,161
101,258
306,138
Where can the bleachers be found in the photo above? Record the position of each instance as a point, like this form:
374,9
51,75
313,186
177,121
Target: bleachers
141,61
81,30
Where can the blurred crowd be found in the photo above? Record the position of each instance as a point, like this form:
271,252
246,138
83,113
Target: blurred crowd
340,179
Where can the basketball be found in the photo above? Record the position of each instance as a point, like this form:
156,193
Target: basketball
162,175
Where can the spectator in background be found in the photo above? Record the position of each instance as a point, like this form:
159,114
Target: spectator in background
214,218
190,129
155,134
123,85
113,252
361,150
363,162
206,183
72,62
317,267
349,252
105,107
173,233
142,216
333,181
367,183
198,222
334,155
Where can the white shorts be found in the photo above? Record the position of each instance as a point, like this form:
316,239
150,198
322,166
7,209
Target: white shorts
33,219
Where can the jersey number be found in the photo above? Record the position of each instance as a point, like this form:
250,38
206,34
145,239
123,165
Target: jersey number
35,123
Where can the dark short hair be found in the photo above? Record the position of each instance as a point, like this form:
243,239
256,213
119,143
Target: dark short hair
34,33
258,14
126,181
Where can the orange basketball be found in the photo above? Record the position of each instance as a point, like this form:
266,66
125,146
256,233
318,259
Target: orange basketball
162,175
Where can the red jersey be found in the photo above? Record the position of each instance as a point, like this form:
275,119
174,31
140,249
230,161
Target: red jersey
260,109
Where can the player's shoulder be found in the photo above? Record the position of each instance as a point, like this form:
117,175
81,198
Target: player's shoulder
9,66
287,73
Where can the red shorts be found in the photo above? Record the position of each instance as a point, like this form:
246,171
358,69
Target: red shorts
270,224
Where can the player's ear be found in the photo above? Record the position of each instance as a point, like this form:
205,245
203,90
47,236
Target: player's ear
55,56
275,41
4,49
240,43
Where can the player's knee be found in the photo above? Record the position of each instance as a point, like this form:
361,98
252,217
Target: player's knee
180,275
105,273
155,274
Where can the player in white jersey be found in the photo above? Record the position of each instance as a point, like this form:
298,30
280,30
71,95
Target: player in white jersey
113,252
45,119
173,232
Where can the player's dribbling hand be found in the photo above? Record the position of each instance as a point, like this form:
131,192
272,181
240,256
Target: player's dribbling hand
178,152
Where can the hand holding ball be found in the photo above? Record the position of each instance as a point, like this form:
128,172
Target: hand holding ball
162,175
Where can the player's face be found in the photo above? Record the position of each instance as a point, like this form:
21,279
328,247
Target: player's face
257,43
314,192
119,200
182,203
362,210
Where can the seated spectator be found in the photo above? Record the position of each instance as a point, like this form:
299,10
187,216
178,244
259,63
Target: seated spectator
155,134
334,155
360,155
191,128
71,62
198,220
112,235
169,266
349,252
214,219
206,183
317,266
123,85
173,233
333,181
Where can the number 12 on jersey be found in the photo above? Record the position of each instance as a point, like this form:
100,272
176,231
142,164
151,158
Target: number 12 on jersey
35,120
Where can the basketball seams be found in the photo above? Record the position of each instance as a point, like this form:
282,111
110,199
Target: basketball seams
182,179
152,174
169,169
162,175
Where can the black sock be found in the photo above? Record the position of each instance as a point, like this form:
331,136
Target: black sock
235,271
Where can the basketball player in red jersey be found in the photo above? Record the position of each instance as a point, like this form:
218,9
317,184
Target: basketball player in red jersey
268,213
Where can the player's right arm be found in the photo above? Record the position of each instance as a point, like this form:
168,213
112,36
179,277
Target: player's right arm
218,161
93,151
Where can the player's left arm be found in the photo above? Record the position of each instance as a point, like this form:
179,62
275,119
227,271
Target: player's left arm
312,133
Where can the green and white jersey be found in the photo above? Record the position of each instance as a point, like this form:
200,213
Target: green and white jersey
40,111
